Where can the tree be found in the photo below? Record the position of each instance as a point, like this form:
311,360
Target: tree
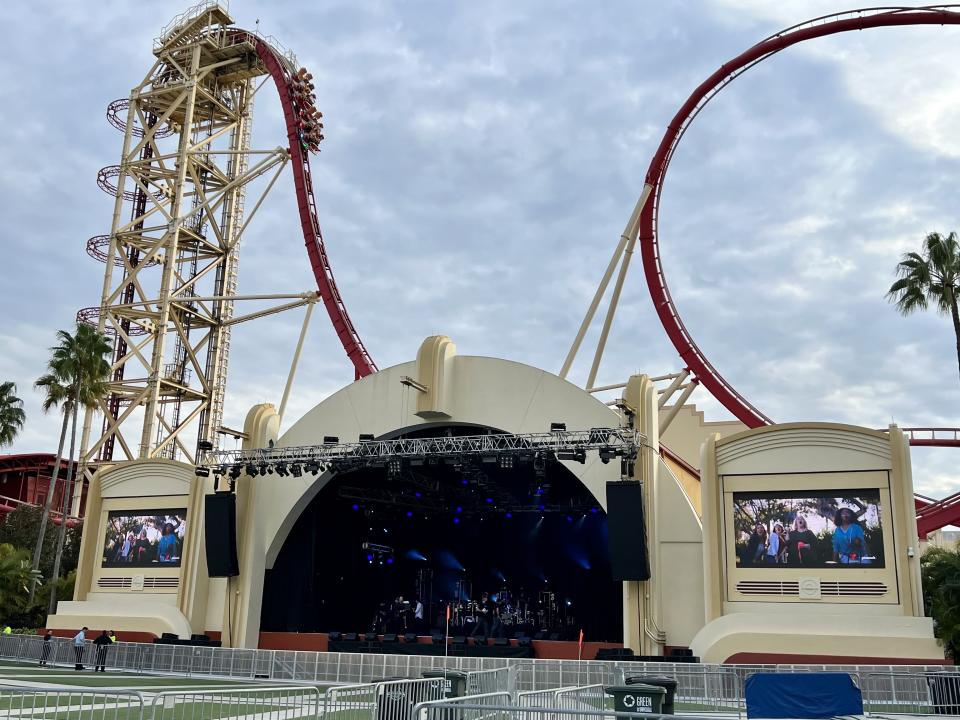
20,529
930,277
56,394
14,577
80,363
940,571
12,416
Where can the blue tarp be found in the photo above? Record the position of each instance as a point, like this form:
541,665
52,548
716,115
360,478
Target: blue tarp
802,695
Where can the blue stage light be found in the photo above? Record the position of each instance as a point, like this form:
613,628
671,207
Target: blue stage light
509,515
489,501
456,521
356,507
594,510
409,513
390,561
417,494
459,509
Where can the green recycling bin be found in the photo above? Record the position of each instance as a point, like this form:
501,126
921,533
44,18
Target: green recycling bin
667,683
637,698
456,681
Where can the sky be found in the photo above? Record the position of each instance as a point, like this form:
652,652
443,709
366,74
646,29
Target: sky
480,163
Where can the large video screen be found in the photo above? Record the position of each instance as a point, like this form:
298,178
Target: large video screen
151,538
813,529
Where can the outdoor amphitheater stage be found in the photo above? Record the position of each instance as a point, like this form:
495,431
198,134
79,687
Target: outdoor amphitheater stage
539,649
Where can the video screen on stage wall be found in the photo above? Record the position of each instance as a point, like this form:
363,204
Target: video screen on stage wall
812,529
151,538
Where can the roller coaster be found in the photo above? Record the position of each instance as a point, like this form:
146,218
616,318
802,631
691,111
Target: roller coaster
199,92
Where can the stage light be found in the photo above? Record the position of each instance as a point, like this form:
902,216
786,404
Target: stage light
506,462
313,467
204,446
389,561
282,469
394,466
569,519
251,470
235,471
265,469
330,440
541,507
366,437
489,501
488,457
558,427
297,470
203,472
459,509
456,521
594,510
409,513
607,454
355,506
509,515
417,494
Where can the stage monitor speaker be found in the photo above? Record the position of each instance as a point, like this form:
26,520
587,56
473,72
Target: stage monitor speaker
334,636
627,531
410,637
220,520
350,637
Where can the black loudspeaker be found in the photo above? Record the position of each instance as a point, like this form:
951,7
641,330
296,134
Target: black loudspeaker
627,531
334,636
220,519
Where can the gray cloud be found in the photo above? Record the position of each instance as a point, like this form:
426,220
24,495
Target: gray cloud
480,163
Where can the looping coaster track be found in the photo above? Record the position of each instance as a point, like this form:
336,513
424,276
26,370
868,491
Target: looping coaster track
682,340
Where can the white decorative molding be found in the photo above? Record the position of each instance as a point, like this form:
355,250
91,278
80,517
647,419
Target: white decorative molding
799,448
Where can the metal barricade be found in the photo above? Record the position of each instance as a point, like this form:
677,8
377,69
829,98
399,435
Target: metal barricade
484,682
588,697
275,703
396,699
70,704
488,701
354,701
462,711
911,693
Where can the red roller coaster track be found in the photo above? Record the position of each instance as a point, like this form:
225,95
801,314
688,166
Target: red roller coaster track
281,72
930,515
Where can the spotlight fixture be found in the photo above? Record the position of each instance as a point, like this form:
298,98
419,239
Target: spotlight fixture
366,437
313,467
558,427
204,446
235,471
394,466
330,440
297,470
282,469
506,462
251,470
266,469
607,454
203,472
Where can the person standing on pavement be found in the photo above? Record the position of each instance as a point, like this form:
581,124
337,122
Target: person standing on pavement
78,640
45,650
102,641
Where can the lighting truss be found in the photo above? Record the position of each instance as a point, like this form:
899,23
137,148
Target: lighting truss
624,443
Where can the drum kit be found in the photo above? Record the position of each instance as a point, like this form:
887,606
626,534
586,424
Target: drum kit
514,610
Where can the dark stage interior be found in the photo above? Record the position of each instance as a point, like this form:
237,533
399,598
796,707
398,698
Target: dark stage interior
449,529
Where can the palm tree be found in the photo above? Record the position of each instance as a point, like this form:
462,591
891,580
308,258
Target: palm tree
79,362
930,277
57,394
12,416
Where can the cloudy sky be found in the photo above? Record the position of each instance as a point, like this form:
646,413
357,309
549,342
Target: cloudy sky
480,163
